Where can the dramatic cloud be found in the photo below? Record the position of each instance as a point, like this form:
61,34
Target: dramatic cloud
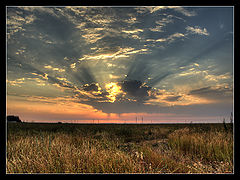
219,93
150,60
154,9
197,30
91,87
136,89
174,98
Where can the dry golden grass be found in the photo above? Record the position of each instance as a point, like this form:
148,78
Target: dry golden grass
117,149
209,146
31,155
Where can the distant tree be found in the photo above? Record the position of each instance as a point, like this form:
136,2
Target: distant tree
13,119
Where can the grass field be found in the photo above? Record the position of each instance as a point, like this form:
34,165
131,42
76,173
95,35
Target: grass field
119,148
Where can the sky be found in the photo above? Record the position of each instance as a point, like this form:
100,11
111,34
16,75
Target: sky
161,64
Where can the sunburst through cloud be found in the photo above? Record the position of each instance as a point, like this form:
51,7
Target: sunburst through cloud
165,63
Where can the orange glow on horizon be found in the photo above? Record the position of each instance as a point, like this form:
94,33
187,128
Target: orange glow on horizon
67,109
61,110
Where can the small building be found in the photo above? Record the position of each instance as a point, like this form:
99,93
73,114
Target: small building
13,119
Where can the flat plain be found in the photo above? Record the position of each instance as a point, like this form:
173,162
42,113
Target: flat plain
119,148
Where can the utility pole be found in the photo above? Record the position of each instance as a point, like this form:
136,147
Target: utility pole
142,120
136,120
231,118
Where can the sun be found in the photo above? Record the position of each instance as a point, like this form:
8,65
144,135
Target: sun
113,90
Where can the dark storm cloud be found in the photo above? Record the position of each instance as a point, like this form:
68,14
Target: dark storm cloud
135,89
